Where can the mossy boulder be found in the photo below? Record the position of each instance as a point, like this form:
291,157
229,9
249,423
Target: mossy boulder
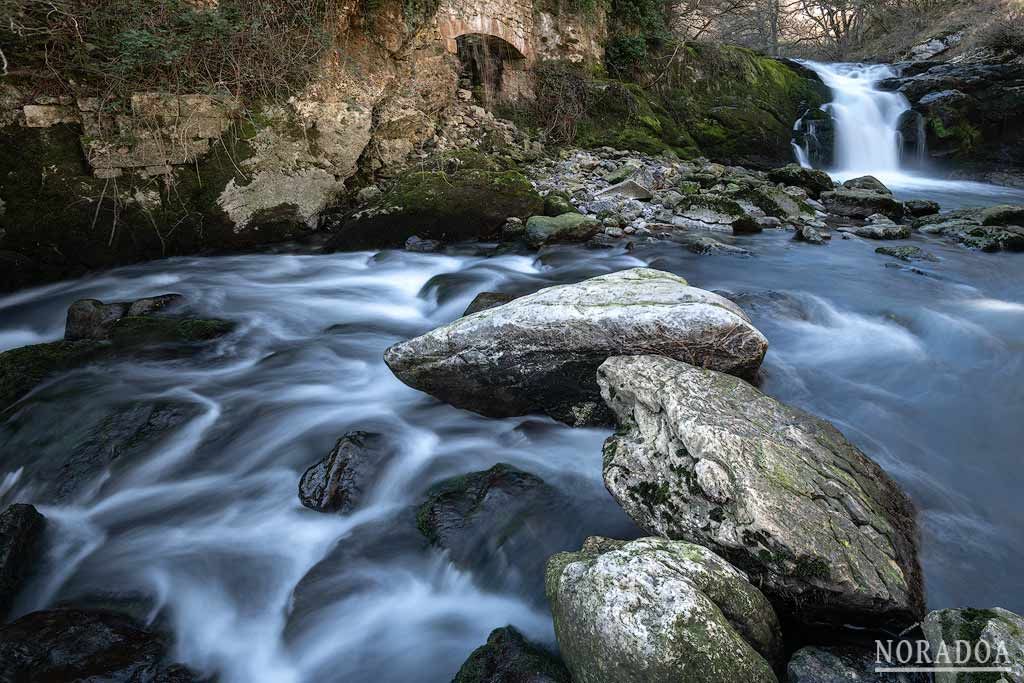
707,458
557,203
810,179
467,204
568,227
508,657
996,631
23,368
1004,214
654,611
862,204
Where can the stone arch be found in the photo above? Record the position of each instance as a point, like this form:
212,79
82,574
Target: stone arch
452,26
494,68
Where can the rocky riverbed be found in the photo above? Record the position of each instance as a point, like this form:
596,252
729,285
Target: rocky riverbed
265,446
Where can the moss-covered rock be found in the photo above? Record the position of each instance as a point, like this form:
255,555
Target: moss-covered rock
999,632
508,657
655,610
810,179
557,203
568,227
466,204
23,368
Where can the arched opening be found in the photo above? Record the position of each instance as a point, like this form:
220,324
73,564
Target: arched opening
492,68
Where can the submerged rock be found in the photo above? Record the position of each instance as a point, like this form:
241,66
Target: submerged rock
85,645
338,482
508,657
703,456
861,203
655,610
996,631
812,180
843,665
485,300
569,227
21,539
93,319
907,253
539,353
502,524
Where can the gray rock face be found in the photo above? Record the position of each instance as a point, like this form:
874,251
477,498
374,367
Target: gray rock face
1001,631
880,229
655,611
539,353
21,535
842,665
707,458
508,657
861,203
338,482
569,227
93,319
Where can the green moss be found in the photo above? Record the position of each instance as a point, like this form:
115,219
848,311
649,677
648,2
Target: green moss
809,567
157,329
24,368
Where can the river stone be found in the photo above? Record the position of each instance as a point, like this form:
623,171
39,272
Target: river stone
869,183
812,180
809,234
1003,215
629,189
921,207
93,319
485,300
508,657
569,227
705,457
85,645
557,204
1000,629
21,540
659,611
539,353
861,204
339,481
843,665
502,524
879,230
906,253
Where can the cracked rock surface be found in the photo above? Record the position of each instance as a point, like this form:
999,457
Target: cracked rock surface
654,610
705,457
540,352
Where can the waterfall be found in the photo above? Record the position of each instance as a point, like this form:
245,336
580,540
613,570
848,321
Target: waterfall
866,120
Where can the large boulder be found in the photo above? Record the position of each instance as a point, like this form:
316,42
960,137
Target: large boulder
812,180
862,203
967,227
659,611
987,638
508,657
705,457
21,540
93,319
867,182
85,645
569,227
1004,214
339,481
843,665
539,353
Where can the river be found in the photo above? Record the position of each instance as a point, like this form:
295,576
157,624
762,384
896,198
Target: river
923,369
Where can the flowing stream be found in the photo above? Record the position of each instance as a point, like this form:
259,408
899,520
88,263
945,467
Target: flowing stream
198,521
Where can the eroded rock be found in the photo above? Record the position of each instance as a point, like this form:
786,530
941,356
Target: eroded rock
339,481
703,456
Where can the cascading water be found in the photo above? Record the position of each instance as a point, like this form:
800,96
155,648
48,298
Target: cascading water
866,120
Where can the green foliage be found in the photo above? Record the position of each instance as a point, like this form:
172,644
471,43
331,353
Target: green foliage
253,48
638,31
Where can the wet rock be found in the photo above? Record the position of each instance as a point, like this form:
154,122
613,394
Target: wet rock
557,203
868,183
992,238
861,204
93,319
703,456
502,524
422,246
659,610
842,665
21,540
508,657
485,300
908,253
539,353
712,212
809,234
85,645
338,482
880,228
776,202
706,244
812,180
921,207
993,631
23,368
569,227
1003,215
